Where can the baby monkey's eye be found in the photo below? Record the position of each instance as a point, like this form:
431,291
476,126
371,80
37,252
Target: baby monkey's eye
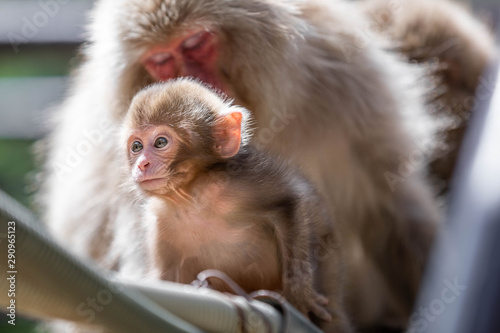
160,142
136,146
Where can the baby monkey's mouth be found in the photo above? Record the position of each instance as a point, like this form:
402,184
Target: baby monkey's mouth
150,184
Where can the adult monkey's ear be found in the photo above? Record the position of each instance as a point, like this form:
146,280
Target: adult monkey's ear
227,134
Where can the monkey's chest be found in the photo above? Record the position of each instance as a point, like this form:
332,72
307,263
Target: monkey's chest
187,245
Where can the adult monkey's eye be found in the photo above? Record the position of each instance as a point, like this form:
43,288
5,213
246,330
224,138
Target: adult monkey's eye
160,142
136,146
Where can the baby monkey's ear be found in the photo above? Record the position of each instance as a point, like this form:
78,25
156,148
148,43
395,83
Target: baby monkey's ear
227,134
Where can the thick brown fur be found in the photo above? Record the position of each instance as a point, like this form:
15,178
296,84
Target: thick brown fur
344,109
251,215
456,49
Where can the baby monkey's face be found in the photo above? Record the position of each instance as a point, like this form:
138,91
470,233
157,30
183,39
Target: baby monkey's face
151,150
175,132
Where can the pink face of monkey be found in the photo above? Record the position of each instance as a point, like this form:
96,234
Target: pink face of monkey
151,151
193,54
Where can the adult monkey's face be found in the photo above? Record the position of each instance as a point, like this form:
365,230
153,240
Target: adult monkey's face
237,47
194,54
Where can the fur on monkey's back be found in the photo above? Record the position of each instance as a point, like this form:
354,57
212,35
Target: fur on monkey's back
270,188
267,174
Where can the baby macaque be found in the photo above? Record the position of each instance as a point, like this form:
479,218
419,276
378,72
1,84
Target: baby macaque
214,201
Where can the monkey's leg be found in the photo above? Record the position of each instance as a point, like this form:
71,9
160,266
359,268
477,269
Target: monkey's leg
330,278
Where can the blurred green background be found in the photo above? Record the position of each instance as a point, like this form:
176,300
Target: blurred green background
17,163
16,158
50,52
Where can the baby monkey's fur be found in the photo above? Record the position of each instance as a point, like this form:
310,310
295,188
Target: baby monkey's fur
224,204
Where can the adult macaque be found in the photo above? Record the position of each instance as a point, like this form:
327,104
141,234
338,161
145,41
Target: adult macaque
456,48
345,110
217,202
